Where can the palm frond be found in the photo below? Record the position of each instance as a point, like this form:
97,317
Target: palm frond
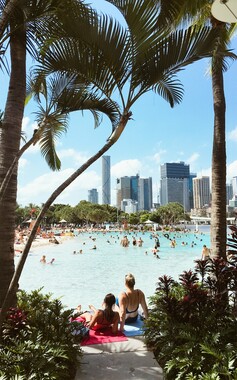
182,13
141,18
81,98
170,89
163,60
86,49
51,128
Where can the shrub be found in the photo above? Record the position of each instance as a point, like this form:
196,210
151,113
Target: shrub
192,323
39,341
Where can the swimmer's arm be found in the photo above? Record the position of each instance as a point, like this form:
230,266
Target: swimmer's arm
143,304
122,307
115,324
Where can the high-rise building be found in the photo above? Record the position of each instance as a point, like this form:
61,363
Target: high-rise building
201,192
123,190
136,189
175,177
106,181
191,176
129,206
93,196
145,194
229,192
234,185
233,202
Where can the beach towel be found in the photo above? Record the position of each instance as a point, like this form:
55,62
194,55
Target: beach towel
136,328
100,337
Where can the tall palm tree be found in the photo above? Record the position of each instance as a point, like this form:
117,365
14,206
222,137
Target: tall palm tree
20,23
178,13
118,64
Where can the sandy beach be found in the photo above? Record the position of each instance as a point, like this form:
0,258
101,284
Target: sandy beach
41,242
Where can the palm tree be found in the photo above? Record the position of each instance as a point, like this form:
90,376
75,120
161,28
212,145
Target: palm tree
180,12
111,60
19,26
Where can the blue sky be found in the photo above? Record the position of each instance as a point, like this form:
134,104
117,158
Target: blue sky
157,134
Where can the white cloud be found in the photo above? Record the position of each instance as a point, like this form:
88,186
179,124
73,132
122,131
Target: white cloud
78,157
193,158
204,172
232,135
27,126
126,168
22,163
25,123
39,190
231,170
158,156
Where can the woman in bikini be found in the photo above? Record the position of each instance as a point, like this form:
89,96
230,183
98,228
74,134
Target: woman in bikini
101,319
130,301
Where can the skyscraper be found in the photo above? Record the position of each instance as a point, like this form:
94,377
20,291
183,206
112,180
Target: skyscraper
136,189
123,190
229,192
145,194
106,181
174,186
201,192
191,176
234,185
93,196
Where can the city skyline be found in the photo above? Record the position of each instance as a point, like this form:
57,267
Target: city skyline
178,184
155,134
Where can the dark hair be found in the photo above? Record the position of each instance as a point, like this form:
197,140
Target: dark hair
109,301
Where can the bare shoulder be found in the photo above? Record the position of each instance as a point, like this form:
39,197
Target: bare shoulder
122,296
141,294
99,313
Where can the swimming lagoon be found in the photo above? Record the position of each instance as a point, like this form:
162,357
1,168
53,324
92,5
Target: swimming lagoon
86,278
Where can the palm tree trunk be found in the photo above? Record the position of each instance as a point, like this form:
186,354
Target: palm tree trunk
13,285
10,135
218,206
7,12
5,182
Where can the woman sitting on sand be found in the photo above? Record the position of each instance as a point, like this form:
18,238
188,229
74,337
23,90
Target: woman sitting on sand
130,301
101,319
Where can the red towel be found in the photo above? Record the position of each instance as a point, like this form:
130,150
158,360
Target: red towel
103,336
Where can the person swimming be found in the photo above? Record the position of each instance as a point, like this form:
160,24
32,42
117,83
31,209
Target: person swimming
130,301
43,259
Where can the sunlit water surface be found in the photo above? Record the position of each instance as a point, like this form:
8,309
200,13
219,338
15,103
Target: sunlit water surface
86,278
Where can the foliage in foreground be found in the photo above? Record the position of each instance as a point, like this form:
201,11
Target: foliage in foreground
39,341
192,325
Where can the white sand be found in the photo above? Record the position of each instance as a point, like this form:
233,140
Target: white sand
39,242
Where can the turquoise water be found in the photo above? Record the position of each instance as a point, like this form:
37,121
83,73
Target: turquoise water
86,278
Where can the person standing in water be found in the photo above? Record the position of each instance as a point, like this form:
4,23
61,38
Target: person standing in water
205,253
